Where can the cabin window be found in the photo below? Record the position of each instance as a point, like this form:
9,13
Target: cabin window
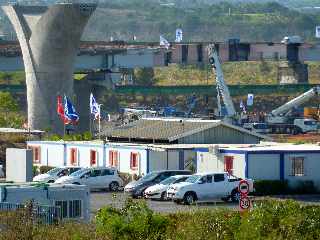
113,158
134,161
93,158
73,156
297,166
35,154
228,164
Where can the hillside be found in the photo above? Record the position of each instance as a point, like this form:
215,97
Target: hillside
262,21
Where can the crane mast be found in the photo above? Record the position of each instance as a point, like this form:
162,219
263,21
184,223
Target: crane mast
223,94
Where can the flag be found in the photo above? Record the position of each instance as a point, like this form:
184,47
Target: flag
94,107
250,99
242,106
164,42
70,112
179,35
60,110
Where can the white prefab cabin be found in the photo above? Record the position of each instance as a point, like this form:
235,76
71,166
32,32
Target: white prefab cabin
264,162
73,200
130,158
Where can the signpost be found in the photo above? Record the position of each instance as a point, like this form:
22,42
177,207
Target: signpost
244,202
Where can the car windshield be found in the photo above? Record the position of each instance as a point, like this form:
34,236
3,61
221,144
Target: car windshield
168,181
79,173
54,171
193,178
148,177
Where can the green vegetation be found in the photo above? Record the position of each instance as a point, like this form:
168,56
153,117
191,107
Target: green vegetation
234,73
85,136
278,187
259,21
268,220
10,115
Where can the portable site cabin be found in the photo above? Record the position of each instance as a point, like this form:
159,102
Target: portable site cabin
264,162
137,159
73,200
144,145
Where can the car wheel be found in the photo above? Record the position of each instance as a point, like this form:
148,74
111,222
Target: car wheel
189,198
163,196
235,195
114,186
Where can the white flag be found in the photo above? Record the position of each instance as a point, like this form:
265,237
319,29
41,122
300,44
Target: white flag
250,99
179,35
164,42
94,107
317,31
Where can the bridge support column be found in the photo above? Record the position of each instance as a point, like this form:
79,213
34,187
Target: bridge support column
49,38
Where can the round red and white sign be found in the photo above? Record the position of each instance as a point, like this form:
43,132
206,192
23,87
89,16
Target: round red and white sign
244,203
244,187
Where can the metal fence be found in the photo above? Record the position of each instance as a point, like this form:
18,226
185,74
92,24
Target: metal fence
40,214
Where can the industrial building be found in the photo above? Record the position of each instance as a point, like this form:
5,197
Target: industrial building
265,162
182,131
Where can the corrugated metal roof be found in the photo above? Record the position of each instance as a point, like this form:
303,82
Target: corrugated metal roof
169,129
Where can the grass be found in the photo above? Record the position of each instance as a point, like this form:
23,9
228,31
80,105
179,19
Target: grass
234,73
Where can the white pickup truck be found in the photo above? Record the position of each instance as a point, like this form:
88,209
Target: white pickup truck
207,187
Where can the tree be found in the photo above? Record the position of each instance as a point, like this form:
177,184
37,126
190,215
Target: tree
9,111
144,76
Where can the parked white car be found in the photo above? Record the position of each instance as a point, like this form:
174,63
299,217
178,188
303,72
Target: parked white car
55,173
159,191
206,187
95,178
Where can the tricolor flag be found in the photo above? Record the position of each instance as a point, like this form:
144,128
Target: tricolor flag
94,107
164,42
60,110
70,112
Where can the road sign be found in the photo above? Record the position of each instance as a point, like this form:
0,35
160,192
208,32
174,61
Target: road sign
244,187
244,203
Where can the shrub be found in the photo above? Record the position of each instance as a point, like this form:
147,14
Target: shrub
134,221
45,169
270,187
35,170
304,187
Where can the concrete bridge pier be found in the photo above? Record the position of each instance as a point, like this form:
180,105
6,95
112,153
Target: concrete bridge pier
49,38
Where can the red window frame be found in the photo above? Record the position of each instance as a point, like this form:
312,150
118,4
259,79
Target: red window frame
228,164
113,158
134,161
36,154
93,157
73,156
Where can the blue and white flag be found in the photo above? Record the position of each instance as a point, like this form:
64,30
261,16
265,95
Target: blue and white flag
179,35
94,107
70,112
250,99
242,106
164,42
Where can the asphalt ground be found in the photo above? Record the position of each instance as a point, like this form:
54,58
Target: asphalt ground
102,199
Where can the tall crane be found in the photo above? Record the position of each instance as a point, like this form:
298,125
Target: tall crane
223,94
